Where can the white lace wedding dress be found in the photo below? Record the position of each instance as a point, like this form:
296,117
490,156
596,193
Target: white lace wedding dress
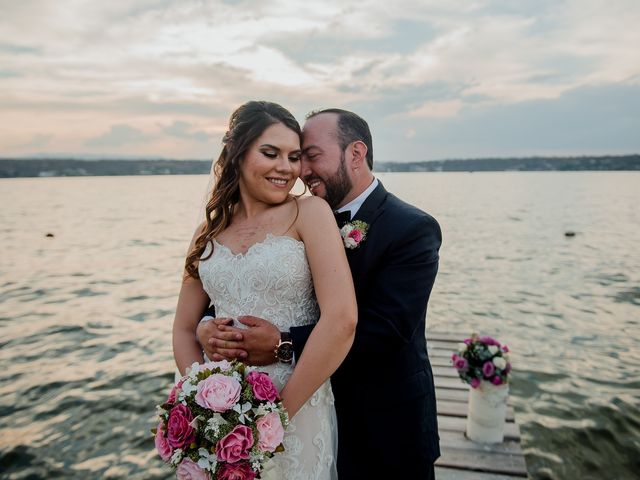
272,280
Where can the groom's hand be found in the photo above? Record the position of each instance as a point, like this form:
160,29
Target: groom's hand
257,342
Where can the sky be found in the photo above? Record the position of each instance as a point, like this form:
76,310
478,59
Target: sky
434,79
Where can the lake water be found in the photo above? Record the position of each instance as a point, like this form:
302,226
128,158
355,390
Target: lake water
85,315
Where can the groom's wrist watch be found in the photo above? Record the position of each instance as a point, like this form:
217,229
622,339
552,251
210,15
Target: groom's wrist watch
284,349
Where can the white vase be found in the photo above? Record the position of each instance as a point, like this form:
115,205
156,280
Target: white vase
486,413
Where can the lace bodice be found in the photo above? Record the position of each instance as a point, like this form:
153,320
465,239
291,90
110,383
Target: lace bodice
272,280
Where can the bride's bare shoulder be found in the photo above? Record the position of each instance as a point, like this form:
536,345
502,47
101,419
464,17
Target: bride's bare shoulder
314,216
311,206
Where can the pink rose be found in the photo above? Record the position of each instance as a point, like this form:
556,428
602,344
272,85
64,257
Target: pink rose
496,380
180,433
263,387
175,390
489,341
488,369
475,383
505,349
189,470
236,471
162,444
235,445
356,235
270,432
461,363
218,392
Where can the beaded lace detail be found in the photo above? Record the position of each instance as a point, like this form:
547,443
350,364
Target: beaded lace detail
272,280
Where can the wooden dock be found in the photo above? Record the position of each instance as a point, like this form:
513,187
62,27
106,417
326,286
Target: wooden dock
461,458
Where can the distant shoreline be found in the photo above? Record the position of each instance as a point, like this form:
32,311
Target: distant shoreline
57,167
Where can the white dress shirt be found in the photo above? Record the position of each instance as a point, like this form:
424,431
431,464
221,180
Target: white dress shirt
354,205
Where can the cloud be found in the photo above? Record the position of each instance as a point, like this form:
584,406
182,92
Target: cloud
9,74
37,141
185,130
117,136
19,49
589,120
129,68
440,109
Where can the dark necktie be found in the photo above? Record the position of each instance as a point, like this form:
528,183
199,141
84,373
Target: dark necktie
342,217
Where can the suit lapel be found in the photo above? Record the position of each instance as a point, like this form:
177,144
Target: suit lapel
370,210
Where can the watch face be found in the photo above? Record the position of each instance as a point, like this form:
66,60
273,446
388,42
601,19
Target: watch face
285,352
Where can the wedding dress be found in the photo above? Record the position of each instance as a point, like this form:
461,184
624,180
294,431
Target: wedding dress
272,280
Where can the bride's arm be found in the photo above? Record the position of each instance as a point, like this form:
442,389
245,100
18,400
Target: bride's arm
192,301
333,335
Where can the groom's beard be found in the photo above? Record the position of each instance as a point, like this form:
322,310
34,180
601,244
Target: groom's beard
337,186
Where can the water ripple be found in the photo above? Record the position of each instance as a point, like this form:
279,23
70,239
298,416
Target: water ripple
85,326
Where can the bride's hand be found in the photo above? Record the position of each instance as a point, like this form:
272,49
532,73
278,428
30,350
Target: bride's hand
210,329
257,342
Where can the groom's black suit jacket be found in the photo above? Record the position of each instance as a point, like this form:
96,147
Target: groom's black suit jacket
384,391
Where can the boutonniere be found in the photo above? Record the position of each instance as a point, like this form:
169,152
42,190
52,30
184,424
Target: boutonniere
354,233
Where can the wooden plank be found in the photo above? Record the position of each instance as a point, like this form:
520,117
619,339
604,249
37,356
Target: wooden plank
458,395
440,362
457,424
446,337
440,354
450,439
443,345
459,409
447,371
493,462
461,458
443,473
451,383
445,394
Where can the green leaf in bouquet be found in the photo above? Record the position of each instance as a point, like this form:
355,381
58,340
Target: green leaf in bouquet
247,394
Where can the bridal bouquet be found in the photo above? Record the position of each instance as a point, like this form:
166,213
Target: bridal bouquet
482,358
222,421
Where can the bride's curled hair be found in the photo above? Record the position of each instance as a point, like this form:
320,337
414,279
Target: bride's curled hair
246,124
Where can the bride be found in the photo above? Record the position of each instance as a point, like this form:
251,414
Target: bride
263,252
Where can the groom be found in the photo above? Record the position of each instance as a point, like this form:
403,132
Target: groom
384,391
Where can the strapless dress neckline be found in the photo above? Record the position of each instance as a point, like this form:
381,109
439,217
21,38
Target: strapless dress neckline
269,238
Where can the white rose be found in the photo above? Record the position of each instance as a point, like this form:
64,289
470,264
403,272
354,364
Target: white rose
223,365
462,347
493,349
350,242
187,387
346,230
176,457
500,363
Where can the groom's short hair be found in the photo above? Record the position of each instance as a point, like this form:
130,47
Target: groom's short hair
350,128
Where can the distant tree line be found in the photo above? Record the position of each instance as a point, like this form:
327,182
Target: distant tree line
528,164
76,167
